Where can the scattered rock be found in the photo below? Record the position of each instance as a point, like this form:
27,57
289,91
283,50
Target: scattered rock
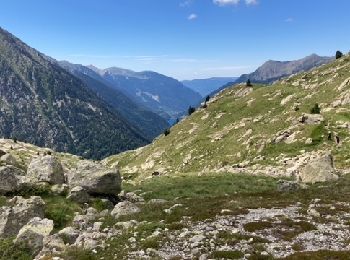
18,213
79,195
311,119
46,168
33,233
69,235
10,179
124,208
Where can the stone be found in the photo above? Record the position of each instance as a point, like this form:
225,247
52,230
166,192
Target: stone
311,119
69,235
131,196
9,179
320,169
18,213
79,195
124,208
9,159
96,179
46,168
59,189
33,234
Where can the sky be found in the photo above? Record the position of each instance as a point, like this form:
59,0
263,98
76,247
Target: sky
185,39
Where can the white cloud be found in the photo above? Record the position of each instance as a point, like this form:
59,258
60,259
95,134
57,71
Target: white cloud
226,2
251,2
192,17
186,3
289,20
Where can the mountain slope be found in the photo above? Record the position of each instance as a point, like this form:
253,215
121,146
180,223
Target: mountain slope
260,130
43,104
149,123
207,86
163,95
271,70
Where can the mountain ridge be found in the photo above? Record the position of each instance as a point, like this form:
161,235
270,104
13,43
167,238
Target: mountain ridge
43,104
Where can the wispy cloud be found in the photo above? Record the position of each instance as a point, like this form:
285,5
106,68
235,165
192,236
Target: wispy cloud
251,2
192,17
289,20
234,2
226,2
186,3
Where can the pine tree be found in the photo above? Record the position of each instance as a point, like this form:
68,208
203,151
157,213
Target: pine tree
249,84
338,55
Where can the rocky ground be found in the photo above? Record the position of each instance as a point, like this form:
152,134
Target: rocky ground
58,207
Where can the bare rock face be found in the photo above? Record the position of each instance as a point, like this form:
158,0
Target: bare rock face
10,179
34,232
96,179
124,208
320,169
45,168
18,213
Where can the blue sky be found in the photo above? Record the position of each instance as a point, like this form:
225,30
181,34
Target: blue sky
181,38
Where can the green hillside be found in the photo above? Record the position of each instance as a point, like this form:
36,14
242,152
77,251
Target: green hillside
256,130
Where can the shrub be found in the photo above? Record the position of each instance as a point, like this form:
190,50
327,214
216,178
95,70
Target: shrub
191,110
316,109
167,132
338,55
14,139
207,99
8,250
249,84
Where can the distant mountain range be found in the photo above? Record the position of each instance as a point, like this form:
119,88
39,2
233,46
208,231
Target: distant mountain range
149,123
206,86
272,70
43,104
163,95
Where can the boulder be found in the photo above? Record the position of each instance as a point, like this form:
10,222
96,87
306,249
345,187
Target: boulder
96,179
46,168
9,179
79,195
69,235
311,119
8,159
124,208
33,234
18,213
320,169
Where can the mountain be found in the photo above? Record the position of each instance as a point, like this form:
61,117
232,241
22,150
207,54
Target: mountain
272,70
43,104
163,95
265,129
149,123
206,86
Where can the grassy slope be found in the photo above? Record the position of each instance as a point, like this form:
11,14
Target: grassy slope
261,111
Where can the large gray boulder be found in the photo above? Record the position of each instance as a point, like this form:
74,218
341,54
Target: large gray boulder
46,168
96,179
320,169
33,233
17,214
10,178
